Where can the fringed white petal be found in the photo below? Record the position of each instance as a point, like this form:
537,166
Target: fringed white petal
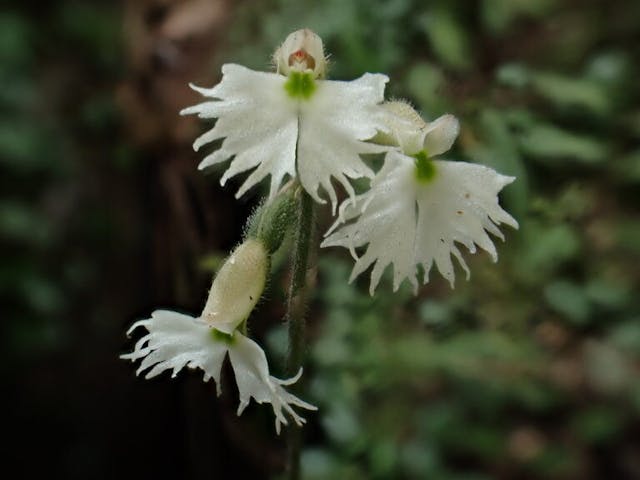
409,223
334,123
174,341
259,124
459,205
266,130
252,376
387,223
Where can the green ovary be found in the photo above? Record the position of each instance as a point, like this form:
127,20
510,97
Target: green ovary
425,169
300,85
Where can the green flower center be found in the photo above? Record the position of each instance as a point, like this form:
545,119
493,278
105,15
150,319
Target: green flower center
219,336
425,169
300,85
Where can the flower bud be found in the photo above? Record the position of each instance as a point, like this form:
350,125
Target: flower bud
302,51
406,126
414,135
276,217
237,287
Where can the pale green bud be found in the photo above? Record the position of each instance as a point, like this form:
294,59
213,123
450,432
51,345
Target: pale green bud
237,287
409,131
406,126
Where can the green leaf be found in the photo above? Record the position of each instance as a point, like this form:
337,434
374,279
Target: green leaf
612,69
607,370
498,15
19,222
383,457
607,294
597,425
21,144
15,42
555,146
419,459
448,39
514,75
435,313
424,83
626,336
341,423
556,461
572,92
93,30
545,248
317,464
627,168
627,235
568,299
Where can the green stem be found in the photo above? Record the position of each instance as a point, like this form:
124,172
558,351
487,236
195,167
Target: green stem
296,308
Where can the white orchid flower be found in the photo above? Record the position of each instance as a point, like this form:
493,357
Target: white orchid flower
418,209
293,123
174,340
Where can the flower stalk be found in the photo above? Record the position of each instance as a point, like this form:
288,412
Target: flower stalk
296,310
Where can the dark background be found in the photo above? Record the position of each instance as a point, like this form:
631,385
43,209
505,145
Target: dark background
530,370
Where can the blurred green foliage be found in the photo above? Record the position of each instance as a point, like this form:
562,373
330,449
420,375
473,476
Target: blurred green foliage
55,110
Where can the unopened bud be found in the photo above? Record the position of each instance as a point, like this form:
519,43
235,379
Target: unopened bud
277,217
414,135
302,51
406,126
237,287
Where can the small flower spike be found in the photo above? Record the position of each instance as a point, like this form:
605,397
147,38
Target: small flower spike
418,209
175,340
293,123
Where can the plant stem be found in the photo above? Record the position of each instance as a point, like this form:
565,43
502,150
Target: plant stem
296,309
